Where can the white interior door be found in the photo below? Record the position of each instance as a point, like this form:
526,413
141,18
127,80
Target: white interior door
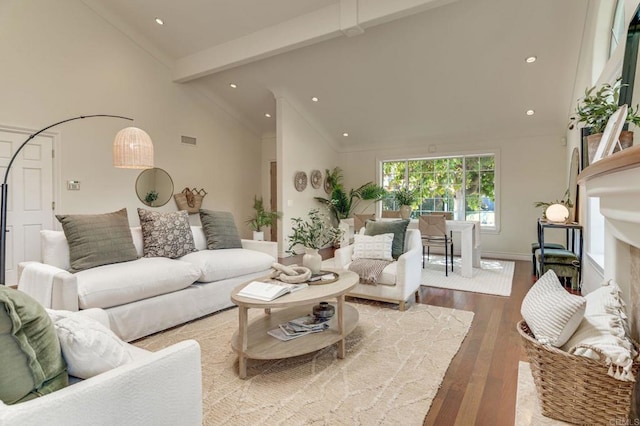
30,196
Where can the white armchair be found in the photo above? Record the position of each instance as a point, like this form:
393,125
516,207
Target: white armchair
158,388
398,281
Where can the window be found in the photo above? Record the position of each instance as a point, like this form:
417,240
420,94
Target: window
463,185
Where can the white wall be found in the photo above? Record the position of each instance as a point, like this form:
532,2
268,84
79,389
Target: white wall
530,170
299,148
59,60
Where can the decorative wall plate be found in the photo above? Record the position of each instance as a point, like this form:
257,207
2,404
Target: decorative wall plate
316,178
300,181
327,186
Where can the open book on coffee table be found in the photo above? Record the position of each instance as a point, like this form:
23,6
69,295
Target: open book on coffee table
269,291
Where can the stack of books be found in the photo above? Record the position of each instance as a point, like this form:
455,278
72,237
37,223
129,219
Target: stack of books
298,327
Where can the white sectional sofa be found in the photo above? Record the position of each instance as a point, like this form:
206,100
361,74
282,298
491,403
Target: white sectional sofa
154,388
146,295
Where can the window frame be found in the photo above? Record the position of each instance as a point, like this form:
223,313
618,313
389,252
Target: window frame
486,229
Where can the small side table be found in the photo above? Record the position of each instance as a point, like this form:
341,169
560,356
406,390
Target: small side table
571,229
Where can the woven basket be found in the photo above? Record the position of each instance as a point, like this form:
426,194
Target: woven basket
576,389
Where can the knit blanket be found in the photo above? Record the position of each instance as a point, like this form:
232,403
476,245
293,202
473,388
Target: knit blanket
369,270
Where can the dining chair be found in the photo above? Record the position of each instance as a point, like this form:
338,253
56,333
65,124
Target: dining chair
391,213
447,215
433,229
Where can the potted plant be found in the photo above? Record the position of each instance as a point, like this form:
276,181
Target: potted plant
151,197
261,218
312,234
565,202
342,204
405,198
594,110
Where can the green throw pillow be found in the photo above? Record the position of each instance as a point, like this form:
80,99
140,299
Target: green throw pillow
220,230
166,234
397,227
32,363
97,239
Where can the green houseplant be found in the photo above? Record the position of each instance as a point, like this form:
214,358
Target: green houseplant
342,204
261,218
405,198
312,234
594,110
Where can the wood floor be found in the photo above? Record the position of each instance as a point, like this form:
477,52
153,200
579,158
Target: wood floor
481,382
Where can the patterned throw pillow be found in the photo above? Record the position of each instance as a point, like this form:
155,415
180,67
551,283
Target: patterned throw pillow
97,239
166,234
551,312
373,246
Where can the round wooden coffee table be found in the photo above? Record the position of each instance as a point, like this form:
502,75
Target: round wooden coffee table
252,341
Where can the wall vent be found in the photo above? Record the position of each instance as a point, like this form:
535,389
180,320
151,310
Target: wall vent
188,140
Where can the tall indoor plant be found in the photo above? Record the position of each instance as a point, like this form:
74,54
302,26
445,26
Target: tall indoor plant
594,110
342,204
405,198
313,234
261,218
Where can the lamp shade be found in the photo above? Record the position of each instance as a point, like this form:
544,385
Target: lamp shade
557,213
132,149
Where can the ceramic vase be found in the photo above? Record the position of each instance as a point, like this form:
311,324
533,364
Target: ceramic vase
405,212
312,260
258,235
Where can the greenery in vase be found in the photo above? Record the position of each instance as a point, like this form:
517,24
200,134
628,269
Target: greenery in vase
315,233
262,217
342,204
566,201
151,196
595,108
405,196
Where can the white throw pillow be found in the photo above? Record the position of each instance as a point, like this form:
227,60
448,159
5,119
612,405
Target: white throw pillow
605,327
88,347
552,313
373,246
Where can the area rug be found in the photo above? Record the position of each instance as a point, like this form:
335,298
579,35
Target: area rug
528,411
493,277
394,366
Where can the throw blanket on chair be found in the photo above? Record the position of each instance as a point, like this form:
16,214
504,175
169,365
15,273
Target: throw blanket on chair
369,270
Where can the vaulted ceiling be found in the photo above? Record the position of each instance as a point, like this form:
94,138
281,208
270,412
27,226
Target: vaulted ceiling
401,72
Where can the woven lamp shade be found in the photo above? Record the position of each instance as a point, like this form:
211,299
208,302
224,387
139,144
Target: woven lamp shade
132,149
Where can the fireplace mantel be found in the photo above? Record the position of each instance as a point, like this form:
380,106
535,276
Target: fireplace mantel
622,160
615,180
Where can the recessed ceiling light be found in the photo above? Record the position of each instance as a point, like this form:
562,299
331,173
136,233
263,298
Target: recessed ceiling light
159,21
345,134
233,85
267,115
530,112
531,59
314,99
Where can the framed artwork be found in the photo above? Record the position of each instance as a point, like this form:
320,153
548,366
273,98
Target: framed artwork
611,133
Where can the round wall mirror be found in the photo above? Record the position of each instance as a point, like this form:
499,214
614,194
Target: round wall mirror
574,168
154,187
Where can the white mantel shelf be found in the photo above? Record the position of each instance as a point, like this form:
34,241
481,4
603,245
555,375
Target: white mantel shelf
622,160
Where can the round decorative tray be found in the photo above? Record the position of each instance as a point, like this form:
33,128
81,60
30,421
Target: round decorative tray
335,277
300,181
316,178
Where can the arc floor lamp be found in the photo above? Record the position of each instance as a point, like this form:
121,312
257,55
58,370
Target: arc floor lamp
132,149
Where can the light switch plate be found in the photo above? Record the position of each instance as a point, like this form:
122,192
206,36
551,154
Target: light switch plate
73,185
